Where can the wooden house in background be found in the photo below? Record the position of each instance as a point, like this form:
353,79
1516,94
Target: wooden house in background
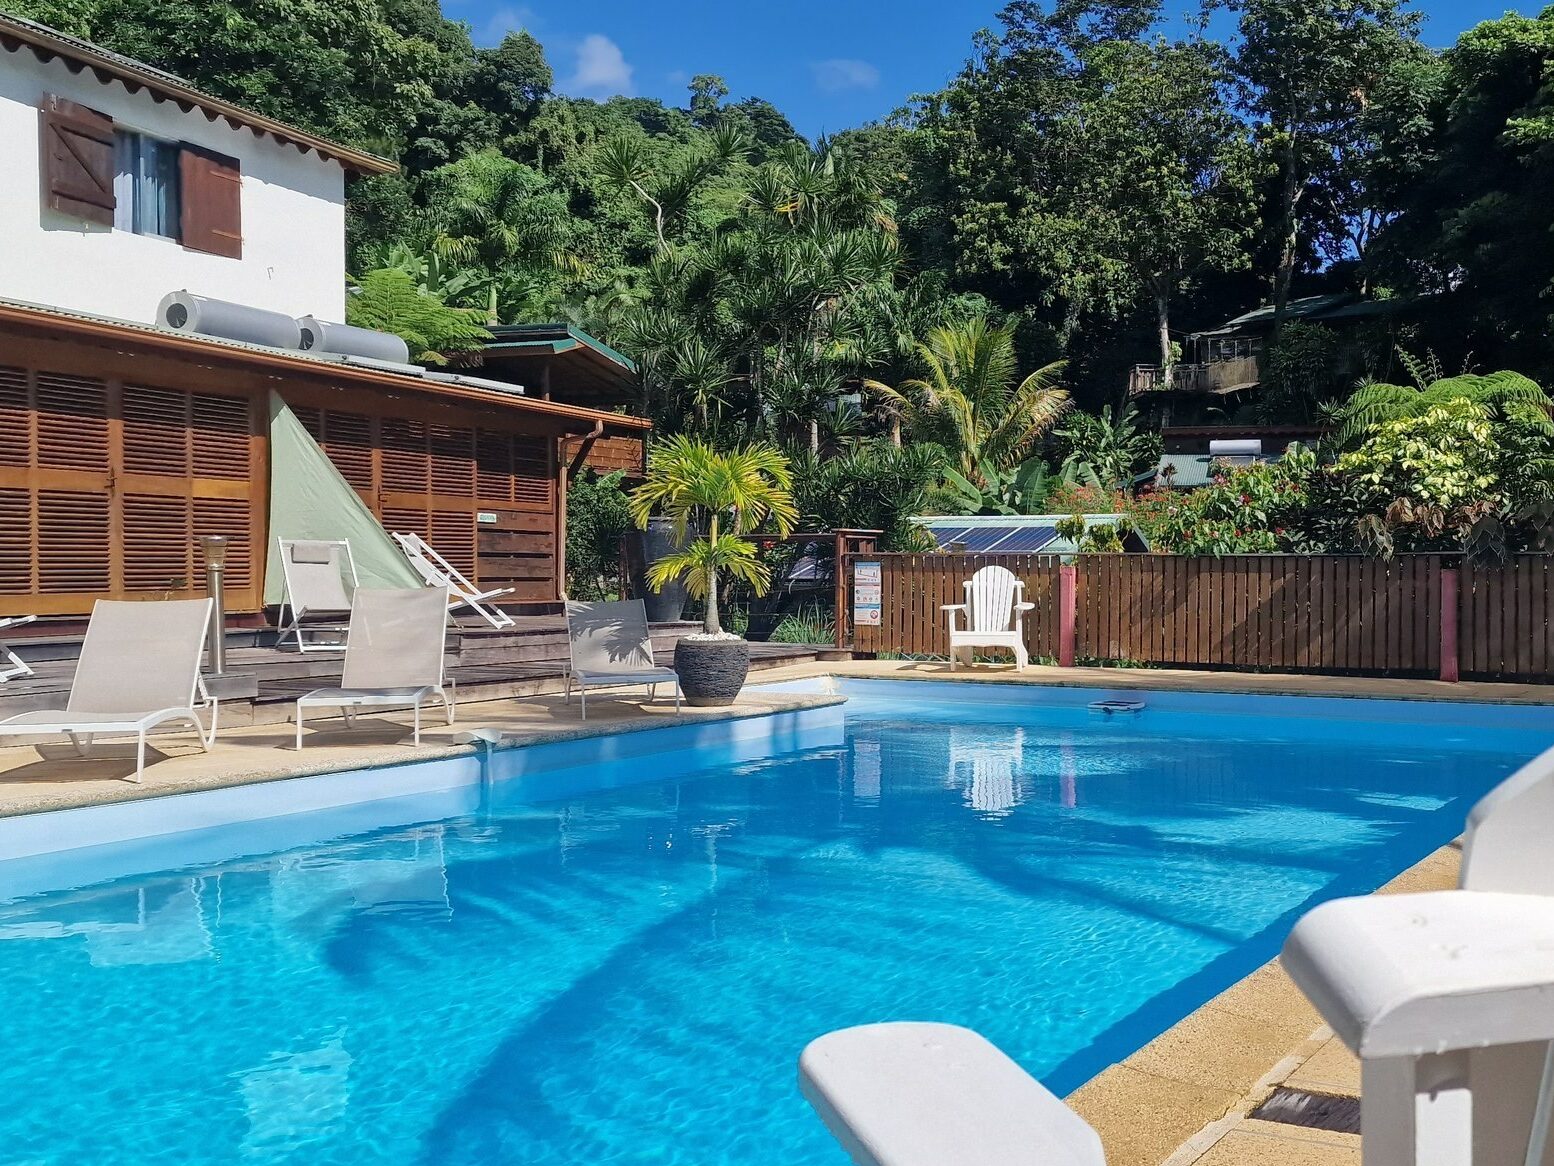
127,432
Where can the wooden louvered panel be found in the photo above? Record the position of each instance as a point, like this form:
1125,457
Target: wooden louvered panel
230,517
219,437
72,422
72,541
156,431
406,463
532,481
494,465
348,441
453,460
15,418
407,521
157,543
312,420
15,542
453,535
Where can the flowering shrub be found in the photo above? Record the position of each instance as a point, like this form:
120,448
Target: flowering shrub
1253,509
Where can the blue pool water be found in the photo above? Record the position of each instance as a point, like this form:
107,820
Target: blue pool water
628,976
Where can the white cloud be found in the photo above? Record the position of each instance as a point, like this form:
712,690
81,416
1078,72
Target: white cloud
602,70
841,73
503,20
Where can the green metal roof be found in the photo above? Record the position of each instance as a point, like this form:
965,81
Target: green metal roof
553,338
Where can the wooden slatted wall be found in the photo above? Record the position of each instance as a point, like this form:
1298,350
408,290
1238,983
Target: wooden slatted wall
435,470
1507,623
106,485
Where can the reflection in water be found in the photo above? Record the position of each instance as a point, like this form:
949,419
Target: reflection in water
988,770
295,1098
404,871
866,770
157,923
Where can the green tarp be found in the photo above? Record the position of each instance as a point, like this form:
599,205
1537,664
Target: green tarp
310,500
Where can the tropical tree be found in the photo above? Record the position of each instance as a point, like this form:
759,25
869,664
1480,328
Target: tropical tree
503,219
968,401
727,495
1307,69
1107,451
1502,394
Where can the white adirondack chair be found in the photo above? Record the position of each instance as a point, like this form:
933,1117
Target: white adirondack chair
994,614
1447,997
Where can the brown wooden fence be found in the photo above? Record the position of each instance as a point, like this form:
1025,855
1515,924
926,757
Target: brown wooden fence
1278,613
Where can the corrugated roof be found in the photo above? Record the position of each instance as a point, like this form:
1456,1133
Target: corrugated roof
17,32
36,315
1191,470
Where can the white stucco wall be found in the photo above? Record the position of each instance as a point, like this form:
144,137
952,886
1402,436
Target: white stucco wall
293,213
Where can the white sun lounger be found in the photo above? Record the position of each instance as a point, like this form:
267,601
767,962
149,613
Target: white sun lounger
393,656
917,1094
609,646
995,616
436,571
12,665
320,578
139,668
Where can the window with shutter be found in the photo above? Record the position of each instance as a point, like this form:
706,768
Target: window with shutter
211,206
78,160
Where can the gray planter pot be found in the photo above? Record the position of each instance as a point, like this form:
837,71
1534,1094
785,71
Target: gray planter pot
643,549
711,671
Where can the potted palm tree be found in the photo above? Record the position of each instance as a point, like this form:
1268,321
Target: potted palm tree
725,495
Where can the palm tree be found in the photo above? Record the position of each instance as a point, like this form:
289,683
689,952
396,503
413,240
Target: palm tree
731,493
968,400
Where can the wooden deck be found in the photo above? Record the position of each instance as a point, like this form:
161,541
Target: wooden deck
262,680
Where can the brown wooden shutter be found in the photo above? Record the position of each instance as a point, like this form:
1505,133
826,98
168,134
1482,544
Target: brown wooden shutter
211,200
77,160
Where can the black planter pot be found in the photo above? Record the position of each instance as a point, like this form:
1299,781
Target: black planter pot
643,549
711,671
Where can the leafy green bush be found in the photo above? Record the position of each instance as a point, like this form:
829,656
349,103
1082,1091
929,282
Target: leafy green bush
597,517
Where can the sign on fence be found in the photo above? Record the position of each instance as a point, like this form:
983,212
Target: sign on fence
867,606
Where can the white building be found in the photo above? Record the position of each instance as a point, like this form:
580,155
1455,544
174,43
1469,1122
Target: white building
123,183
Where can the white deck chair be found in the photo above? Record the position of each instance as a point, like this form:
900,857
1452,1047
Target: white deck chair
436,571
608,646
139,668
320,578
394,656
1446,996
994,612
12,665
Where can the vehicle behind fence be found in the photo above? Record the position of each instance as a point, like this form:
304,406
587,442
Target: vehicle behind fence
1415,615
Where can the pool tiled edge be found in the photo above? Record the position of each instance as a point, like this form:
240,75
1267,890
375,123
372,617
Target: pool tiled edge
1183,1099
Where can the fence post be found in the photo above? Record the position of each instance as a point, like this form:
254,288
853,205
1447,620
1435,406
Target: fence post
1450,586
839,570
1068,580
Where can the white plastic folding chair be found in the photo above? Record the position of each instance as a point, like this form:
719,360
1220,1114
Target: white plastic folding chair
608,646
394,656
994,612
139,668
436,571
320,578
12,665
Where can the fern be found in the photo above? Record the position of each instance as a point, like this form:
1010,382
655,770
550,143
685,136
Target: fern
1505,393
389,300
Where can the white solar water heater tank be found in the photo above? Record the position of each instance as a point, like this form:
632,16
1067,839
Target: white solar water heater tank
183,311
1248,447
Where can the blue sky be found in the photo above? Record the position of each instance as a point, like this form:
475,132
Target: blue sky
827,64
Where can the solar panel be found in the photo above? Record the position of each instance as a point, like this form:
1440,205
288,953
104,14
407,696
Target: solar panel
985,538
945,535
1027,539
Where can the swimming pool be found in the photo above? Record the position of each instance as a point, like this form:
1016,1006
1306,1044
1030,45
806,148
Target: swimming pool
551,975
